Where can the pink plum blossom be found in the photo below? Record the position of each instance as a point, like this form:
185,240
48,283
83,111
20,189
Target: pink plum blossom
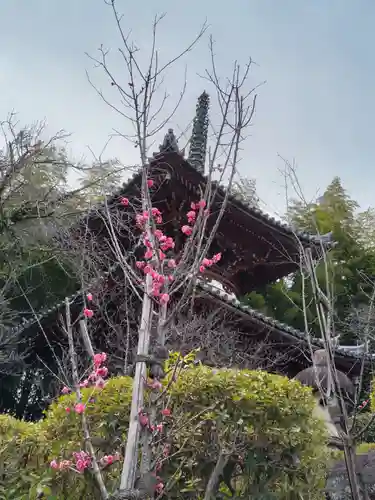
159,234
159,487
99,359
187,230
79,408
149,254
102,372
109,459
191,216
83,461
147,269
216,258
143,420
168,244
155,212
164,299
88,313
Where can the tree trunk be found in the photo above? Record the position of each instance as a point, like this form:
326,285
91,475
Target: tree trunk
132,441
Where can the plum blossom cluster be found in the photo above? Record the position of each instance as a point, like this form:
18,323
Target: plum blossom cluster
158,245
95,379
158,262
209,262
62,465
82,461
159,281
187,229
145,421
147,215
87,312
363,404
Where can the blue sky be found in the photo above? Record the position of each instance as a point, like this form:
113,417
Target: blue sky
318,105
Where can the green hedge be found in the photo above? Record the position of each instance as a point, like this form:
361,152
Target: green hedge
268,417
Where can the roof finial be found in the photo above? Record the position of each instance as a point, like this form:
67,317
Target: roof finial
198,141
170,143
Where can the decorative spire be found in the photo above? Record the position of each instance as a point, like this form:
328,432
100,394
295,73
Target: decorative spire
170,143
198,141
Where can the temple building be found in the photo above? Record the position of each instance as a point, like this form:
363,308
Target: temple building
256,250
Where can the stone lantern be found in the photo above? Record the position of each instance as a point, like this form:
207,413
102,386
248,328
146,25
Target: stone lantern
318,377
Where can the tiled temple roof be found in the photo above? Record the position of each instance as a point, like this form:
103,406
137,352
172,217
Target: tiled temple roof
346,351
253,212
349,352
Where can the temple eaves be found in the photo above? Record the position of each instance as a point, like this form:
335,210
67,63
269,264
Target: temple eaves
352,353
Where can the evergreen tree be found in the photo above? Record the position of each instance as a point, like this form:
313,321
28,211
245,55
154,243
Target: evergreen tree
33,190
334,211
349,264
364,225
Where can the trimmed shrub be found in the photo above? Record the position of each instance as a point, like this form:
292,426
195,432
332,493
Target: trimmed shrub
270,419
267,419
23,458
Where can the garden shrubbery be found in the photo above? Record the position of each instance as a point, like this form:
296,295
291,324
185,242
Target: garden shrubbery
264,421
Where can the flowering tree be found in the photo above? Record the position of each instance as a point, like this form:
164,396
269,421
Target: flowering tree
163,275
